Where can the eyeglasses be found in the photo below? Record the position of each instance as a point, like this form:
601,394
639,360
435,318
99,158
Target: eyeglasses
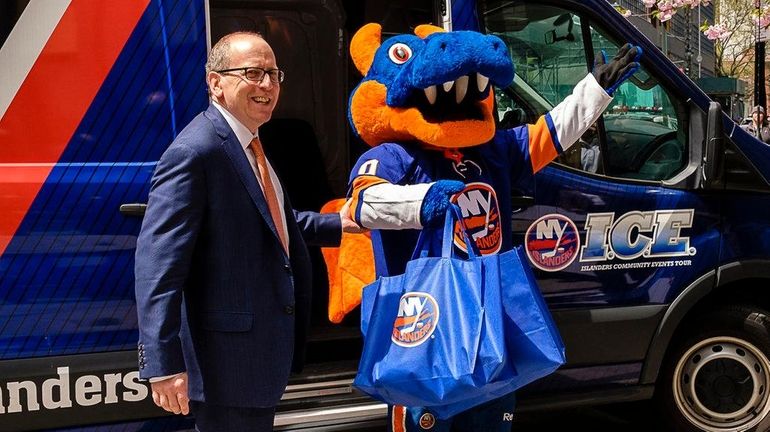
256,74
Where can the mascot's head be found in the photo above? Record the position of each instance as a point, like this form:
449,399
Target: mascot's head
432,87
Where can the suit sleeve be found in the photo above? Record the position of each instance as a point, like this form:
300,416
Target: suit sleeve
319,229
164,251
553,133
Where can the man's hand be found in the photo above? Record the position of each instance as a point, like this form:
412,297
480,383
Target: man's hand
611,75
171,394
348,224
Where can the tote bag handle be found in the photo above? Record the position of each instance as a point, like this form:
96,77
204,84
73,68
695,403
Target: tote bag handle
453,214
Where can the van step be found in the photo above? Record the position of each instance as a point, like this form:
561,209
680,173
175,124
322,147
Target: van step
315,419
325,371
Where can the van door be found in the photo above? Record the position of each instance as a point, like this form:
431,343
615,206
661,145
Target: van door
619,233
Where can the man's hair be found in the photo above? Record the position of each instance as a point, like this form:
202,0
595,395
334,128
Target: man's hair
219,57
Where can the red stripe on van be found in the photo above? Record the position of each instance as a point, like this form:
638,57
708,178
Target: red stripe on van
55,96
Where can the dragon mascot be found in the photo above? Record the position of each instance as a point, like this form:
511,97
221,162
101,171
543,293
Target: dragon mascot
425,106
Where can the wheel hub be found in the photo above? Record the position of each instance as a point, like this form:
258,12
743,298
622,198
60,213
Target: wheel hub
724,385
721,384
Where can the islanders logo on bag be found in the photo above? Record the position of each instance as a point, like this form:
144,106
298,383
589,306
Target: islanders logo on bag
552,242
481,217
416,320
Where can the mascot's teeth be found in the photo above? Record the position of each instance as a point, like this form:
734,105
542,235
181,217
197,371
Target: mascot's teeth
430,93
448,85
461,88
482,82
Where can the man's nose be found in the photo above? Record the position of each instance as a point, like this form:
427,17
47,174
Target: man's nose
265,82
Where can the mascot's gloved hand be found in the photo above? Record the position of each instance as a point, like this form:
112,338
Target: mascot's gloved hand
436,201
611,75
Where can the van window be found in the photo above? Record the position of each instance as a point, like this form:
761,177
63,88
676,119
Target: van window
642,135
645,125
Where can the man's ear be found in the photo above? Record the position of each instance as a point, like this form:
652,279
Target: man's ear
214,81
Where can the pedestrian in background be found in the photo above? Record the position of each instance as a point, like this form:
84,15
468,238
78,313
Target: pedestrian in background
758,126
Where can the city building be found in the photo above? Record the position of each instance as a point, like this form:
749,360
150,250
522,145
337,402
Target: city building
680,39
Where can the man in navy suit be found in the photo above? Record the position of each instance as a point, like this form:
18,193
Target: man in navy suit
222,270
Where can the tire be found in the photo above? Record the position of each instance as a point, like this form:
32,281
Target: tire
717,378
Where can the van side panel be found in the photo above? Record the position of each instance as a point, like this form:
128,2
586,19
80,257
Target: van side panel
110,90
67,284
56,92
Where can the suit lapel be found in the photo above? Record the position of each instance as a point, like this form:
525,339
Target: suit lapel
241,165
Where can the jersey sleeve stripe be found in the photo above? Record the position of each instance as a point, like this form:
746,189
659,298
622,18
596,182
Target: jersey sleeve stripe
360,184
554,135
542,148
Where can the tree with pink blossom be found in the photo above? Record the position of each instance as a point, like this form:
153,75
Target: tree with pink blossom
664,10
733,33
717,32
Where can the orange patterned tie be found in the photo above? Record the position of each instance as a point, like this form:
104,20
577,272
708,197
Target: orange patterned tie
269,190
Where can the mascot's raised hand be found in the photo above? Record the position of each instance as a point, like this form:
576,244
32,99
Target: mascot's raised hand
611,75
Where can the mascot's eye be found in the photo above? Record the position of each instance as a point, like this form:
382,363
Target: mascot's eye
399,53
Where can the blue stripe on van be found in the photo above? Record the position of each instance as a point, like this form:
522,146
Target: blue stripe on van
67,284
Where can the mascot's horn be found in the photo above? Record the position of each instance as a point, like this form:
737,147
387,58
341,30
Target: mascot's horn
364,45
424,30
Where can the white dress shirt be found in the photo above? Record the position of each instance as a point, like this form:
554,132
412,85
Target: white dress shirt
244,137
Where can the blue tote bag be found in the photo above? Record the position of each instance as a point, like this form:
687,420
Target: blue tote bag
441,336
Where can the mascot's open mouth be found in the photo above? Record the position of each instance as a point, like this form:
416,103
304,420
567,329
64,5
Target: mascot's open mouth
460,99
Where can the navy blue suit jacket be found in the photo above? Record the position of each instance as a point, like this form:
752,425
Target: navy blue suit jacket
216,294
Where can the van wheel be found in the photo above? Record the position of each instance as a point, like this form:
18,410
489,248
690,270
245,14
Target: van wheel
718,378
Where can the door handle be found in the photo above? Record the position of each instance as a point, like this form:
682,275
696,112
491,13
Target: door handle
133,209
522,202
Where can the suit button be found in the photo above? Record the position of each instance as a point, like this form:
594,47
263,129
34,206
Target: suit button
289,310
287,268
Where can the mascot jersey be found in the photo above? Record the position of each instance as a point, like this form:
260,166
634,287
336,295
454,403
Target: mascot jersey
389,182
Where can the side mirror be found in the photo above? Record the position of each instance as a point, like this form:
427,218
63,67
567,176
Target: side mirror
712,144
550,37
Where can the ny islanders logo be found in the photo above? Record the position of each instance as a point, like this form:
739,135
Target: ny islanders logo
481,216
552,242
417,318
